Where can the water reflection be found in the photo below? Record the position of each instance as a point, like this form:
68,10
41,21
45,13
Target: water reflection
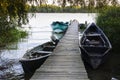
10,69
39,32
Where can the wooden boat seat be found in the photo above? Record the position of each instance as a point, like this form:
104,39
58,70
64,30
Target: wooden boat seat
94,43
93,40
95,34
47,52
49,46
95,55
93,49
36,54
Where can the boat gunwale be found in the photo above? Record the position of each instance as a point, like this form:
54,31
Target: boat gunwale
32,59
110,46
108,42
33,50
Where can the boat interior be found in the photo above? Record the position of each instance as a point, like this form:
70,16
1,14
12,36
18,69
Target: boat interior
40,51
37,54
94,42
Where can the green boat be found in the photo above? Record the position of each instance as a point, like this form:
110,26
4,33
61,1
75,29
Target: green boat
59,26
56,37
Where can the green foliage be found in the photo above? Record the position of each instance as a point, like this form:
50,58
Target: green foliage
11,35
109,21
81,28
87,3
57,9
13,13
44,8
14,10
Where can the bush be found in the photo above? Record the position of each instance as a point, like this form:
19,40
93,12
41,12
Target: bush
10,31
11,35
109,21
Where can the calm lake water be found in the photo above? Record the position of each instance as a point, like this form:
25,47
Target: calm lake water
39,30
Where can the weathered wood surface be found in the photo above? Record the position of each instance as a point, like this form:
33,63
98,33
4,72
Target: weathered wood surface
65,63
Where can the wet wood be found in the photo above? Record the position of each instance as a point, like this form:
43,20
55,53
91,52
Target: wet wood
65,63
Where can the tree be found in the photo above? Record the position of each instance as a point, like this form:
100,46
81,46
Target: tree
62,3
91,4
77,3
114,2
37,2
13,11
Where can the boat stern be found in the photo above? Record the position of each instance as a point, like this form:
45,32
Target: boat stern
95,62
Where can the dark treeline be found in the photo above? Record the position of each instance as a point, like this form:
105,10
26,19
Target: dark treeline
58,9
82,3
70,5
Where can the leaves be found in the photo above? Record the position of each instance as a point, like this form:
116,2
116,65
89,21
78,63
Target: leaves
109,21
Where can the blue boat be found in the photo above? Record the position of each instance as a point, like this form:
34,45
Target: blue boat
59,26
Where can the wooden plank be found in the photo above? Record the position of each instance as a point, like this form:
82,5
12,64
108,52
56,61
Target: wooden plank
65,63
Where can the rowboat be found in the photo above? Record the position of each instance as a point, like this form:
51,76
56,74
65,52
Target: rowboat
59,29
55,37
94,45
61,26
35,57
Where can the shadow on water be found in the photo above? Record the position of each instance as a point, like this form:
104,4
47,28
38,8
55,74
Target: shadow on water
115,65
28,75
108,69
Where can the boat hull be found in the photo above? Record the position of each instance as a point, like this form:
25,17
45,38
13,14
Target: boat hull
34,58
61,26
93,61
56,37
94,45
30,66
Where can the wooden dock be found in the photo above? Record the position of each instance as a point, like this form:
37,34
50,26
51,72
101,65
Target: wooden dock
65,63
